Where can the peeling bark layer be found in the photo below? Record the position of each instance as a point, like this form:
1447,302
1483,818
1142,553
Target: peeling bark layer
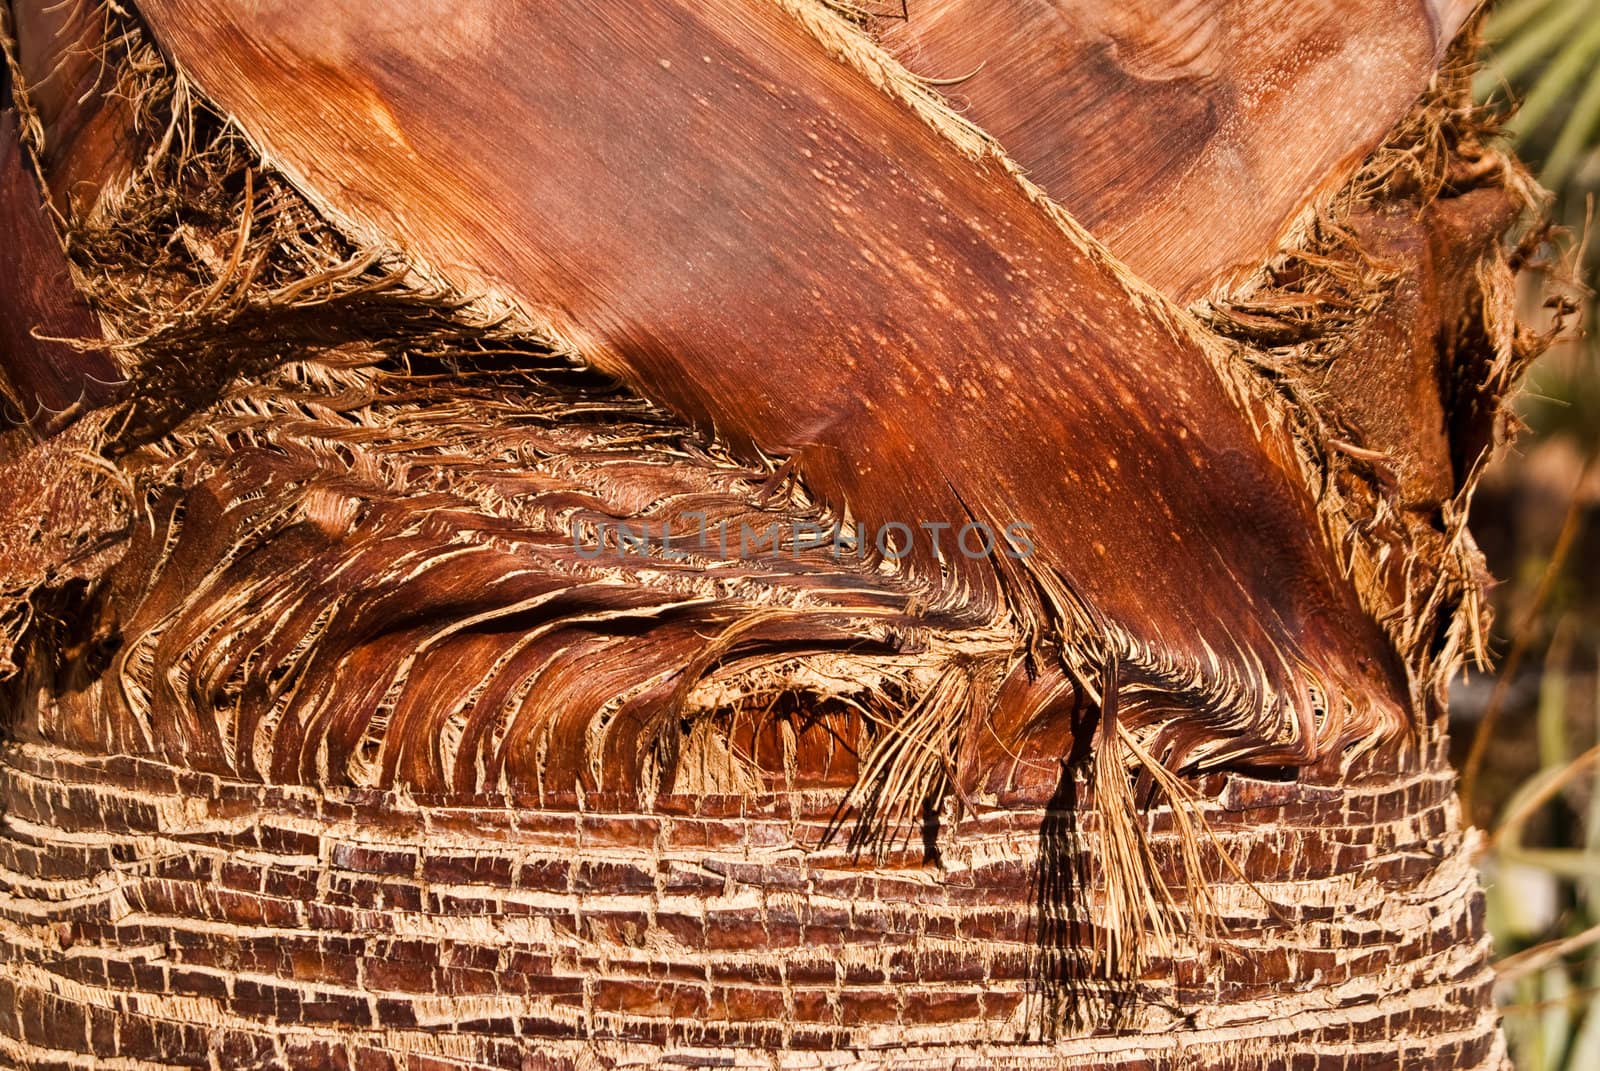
684,192
1177,133
44,379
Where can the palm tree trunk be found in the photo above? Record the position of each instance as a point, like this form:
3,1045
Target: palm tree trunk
446,619
180,919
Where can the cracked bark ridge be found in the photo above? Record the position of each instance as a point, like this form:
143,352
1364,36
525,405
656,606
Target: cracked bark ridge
186,920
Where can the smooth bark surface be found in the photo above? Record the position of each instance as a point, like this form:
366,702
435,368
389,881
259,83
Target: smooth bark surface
1191,136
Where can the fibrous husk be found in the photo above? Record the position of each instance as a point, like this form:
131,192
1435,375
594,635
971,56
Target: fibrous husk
370,450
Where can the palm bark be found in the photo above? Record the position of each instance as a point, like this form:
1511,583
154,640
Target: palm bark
346,727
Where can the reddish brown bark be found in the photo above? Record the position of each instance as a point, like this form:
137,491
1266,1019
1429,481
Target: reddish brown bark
343,727
1189,137
960,356
44,378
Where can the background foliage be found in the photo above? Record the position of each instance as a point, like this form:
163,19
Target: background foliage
1538,791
